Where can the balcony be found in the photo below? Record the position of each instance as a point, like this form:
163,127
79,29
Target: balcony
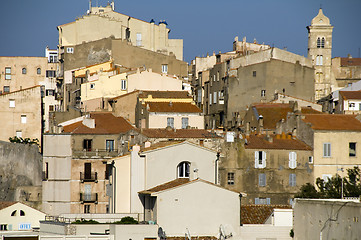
89,198
97,153
89,177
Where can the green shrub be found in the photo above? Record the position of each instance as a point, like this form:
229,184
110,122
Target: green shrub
127,220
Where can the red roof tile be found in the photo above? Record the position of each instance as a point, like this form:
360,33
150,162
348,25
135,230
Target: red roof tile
350,61
258,214
177,134
164,94
284,142
347,95
176,107
5,204
333,122
165,186
105,123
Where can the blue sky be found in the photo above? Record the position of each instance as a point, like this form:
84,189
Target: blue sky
27,27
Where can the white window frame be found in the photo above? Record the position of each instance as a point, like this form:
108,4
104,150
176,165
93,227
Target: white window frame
170,122
185,122
210,99
11,103
262,201
214,97
319,60
292,160
230,178
260,162
124,84
23,118
326,150
7,73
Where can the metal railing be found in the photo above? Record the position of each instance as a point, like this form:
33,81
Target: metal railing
89,198
89,177
97,153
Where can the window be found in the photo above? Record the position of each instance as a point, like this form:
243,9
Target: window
262,201
6,89
170,122
109,145
19,134
259,159
230,178
50,92
38,71
319,60
87,171
50,73
8,73
70,50
12,103
139,40
51,108
23,118
87,144
86,208
254,73
23,71
3,227
292,180
352,149
22,213
262,179
210,99
263,93
323,42
359,106
199,96
184,122
92,86
327,150
183,170
164,68
218,76
13,214
292,160
351,105
310,159
124,84
87,193
215,97
319,77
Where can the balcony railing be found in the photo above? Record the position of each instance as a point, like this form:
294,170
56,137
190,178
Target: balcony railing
89,177
89,198
97,153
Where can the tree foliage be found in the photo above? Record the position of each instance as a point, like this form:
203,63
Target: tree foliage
29,141
333,187
127,220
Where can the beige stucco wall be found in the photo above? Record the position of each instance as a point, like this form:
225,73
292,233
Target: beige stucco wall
159,120
97,25
199,207
32,216
28,103
161,166
264,231
148,80
122,190
339,152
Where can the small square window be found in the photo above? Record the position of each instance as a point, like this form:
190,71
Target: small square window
12,103
70,50
6,89
38,71
19,134
23,119
23,71
263,93
230,178
352,149
310,159
51,108
92,86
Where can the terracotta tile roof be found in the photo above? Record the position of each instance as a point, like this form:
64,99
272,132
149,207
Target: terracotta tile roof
5,204
160,145
274,112
258,214
283,141
177,134
165,186
105,123
164,94
350,61
176,107
347,95
333,122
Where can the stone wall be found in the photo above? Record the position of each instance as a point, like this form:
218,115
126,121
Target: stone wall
20,173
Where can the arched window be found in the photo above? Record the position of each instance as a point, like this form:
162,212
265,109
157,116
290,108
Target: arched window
183,170
38,71
23,71
22,213
318,42
13,213
323,42
319,77
319,60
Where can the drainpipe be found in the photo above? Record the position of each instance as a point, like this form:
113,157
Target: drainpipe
240,209
216,168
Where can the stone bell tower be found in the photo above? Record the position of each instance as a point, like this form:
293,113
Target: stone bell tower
319,50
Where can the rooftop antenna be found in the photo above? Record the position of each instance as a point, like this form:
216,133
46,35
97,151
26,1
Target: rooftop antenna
90,5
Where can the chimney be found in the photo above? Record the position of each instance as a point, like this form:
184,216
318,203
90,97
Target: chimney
247,129
89,122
